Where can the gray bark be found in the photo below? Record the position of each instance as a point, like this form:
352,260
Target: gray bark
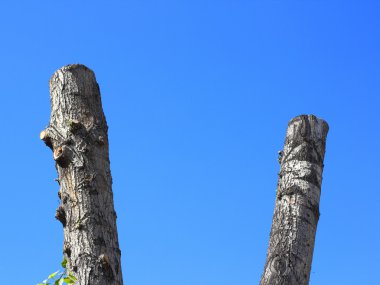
296,213
77,134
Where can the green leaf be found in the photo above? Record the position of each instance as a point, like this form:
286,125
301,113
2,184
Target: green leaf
53,274
64,262
61,281
72,276
69,280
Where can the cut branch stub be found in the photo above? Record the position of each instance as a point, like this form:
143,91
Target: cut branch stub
77,134
62,155
44,136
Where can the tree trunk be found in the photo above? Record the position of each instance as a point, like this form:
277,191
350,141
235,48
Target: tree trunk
77,134
296,213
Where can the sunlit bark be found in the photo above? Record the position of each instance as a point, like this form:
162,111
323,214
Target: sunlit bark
296,213
77,134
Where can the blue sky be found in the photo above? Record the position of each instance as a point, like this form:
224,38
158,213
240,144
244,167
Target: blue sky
197,95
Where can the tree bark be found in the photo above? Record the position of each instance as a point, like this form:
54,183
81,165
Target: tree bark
78,135
296,213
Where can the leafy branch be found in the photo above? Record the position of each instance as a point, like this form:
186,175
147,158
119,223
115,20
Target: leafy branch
60,277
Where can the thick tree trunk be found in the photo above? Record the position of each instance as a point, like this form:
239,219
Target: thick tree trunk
77,134
296,213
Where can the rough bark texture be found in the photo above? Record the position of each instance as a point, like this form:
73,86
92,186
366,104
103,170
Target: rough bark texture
296,213
77,134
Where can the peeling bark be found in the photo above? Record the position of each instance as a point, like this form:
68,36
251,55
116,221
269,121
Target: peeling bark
296,213
77,135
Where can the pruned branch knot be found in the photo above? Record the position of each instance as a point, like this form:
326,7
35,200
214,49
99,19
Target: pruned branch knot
62,155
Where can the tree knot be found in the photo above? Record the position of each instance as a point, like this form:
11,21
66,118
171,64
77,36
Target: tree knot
60,215
62,155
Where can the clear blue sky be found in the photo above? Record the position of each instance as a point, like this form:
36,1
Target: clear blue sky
197,95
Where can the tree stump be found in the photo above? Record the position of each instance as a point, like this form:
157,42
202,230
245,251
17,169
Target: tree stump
296,212
78,136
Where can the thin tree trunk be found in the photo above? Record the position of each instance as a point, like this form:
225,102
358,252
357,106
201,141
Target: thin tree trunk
296,213
77,134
